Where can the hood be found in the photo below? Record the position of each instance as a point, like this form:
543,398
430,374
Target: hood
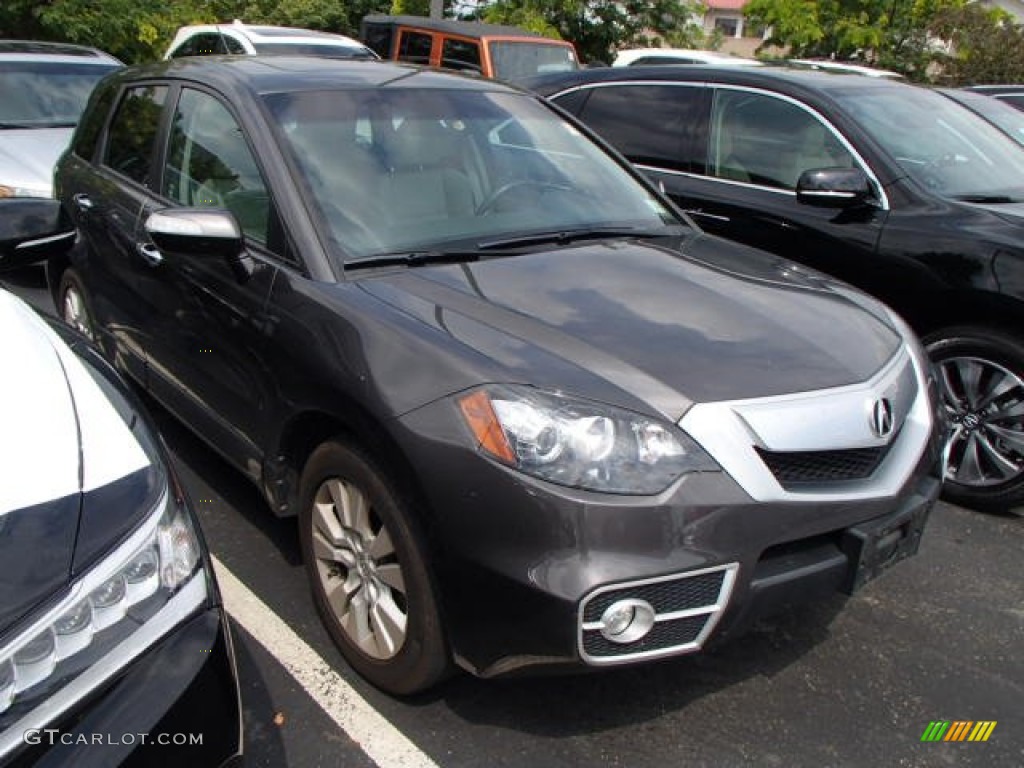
1011,212
28,157
721,322
61,441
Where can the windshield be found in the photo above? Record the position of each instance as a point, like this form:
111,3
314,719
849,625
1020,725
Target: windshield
314,49
398,170
1008,119
939,143
516,60
36,94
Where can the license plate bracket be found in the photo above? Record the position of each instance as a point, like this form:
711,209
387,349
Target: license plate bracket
876,545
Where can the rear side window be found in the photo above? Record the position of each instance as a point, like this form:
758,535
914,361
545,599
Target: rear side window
133,132
88,133
414,47
461,54
649,124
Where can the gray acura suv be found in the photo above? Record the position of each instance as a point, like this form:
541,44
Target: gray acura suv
525,412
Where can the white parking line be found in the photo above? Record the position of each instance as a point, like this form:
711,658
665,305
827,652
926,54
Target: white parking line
377,737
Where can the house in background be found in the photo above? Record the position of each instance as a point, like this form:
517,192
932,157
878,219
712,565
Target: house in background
739,37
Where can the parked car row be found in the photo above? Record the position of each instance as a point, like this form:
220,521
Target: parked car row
525,412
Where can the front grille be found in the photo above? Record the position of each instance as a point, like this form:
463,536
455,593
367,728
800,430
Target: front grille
795,468
686,608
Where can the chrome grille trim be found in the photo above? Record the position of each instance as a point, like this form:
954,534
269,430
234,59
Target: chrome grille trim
832,419
624,590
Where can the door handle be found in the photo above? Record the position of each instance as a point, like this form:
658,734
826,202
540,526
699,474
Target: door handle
150,254
83,201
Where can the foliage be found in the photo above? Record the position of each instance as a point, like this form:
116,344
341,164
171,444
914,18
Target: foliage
140,30
985,46
600,27
892,34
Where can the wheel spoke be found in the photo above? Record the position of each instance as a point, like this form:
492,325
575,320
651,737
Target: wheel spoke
325,520
381,546
1002,464
388,623
1014,437
969,471
339,593
326,551
1002,383
356,622
950,389
970,375
391,574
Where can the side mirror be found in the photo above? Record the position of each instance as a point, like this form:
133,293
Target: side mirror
833,188
32,230
195,232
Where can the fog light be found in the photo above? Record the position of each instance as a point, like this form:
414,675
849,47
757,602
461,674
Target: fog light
626,621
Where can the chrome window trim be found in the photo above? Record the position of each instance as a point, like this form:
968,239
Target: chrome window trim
714,611
883,198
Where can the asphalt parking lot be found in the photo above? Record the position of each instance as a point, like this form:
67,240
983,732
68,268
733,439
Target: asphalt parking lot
843,683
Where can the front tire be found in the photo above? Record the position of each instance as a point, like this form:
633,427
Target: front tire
981,382
367,567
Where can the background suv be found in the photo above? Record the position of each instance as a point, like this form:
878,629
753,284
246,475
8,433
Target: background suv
43,90
891,187
239,38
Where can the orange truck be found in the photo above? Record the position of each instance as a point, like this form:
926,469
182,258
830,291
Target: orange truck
490,50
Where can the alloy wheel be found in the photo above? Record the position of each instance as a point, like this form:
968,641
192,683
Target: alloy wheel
985,405
359,570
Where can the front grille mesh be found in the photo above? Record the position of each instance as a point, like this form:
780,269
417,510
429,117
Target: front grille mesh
666,634
794,468
664,597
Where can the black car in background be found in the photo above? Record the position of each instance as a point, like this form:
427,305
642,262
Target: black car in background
1002,115
1008,94
524,412
115,649
891,187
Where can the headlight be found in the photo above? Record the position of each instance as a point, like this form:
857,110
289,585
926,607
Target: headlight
112,603
580,444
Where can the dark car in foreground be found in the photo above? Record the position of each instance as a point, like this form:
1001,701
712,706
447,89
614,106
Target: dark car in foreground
525,413
114,646
891,187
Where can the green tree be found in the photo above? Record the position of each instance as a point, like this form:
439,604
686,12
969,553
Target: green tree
985,46
894,34
600,27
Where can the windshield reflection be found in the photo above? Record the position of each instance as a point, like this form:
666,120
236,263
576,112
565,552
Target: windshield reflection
940,144
413,169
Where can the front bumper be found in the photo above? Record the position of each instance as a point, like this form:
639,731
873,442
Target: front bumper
177,704
526,569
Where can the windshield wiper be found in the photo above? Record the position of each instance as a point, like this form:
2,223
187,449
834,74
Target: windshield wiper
412,259
566,236
989,199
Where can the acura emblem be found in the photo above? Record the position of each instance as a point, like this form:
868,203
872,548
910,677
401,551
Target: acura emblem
881,418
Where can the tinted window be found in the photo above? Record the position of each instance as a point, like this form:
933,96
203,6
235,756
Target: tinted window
515,60
37,94
1015,99
133,132
415,47
88,133
378,37
764,140
209,164
315,49
647,123
461,54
